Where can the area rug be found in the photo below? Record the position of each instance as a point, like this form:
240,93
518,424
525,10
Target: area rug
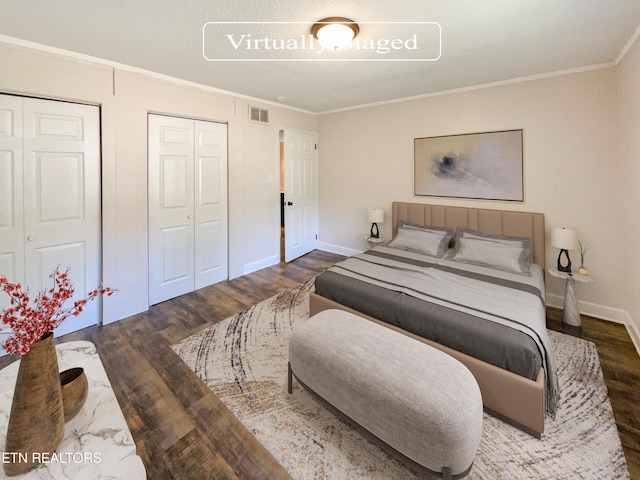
243,360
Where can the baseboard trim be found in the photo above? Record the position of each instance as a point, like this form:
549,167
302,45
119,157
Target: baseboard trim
634,331
347,252
602,312
260,264
611,314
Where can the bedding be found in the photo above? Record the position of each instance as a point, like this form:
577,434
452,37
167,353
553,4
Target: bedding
493,315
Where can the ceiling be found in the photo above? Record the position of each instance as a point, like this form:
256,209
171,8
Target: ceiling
483,42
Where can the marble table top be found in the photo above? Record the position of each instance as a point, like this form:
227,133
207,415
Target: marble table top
97,442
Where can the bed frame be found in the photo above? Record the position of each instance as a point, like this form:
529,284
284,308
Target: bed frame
517,400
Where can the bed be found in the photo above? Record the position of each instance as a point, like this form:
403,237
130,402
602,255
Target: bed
441,301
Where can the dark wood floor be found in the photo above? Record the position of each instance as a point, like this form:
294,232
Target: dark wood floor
182,431
621,368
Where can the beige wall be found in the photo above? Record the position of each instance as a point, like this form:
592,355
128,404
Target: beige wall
629,192
125,99
581,136
572,166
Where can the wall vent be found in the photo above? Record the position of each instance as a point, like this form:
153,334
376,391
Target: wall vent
258,115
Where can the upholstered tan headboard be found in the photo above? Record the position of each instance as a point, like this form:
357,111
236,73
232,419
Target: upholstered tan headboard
500,222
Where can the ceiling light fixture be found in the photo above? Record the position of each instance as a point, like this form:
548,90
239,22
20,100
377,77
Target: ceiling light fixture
335,33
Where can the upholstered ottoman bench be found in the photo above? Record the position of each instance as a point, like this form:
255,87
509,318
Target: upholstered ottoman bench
419,401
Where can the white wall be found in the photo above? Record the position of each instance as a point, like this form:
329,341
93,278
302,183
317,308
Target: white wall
629,192
572,165
125,98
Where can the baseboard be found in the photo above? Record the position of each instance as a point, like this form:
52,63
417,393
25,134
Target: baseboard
634,332
347,252
602,312
260,264
611,314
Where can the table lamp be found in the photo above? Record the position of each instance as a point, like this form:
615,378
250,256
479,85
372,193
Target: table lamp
375,216
565,239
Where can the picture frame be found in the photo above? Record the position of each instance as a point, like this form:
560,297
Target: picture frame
487,166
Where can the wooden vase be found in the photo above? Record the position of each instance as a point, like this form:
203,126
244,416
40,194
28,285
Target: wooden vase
75,389
36,422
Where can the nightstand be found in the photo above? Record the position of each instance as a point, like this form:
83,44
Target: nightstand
571,313
374,242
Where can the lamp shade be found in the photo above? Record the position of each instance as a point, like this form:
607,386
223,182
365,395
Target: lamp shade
375,215
564,238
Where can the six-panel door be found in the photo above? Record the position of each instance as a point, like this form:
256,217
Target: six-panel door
50,196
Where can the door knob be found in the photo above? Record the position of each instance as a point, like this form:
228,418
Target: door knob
30,238
289,203
189,217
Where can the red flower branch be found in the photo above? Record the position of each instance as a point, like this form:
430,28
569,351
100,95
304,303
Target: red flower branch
30,319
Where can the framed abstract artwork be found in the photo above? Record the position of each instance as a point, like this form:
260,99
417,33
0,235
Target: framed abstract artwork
486,166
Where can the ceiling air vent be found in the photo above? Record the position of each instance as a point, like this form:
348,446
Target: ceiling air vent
258,115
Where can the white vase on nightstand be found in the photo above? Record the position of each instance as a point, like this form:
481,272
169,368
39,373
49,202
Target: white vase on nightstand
582,270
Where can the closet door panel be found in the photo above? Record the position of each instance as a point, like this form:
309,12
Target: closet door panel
176,254
11,205
211,261
171,224
50,196
62,198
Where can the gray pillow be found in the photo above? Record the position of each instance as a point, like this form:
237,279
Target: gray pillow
421,239
491,257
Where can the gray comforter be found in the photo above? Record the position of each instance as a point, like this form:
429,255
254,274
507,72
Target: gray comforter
491,315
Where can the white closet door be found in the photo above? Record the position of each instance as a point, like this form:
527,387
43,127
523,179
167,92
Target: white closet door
50,197
171,235
210,203
62,198
11,208
187,205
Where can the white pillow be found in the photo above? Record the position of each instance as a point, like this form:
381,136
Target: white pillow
501,256
420,240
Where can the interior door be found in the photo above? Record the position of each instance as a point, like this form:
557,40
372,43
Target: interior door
210,203
301,194
12,238
50,197
171,198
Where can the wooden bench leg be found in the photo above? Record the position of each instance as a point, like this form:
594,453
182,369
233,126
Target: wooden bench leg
289,378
